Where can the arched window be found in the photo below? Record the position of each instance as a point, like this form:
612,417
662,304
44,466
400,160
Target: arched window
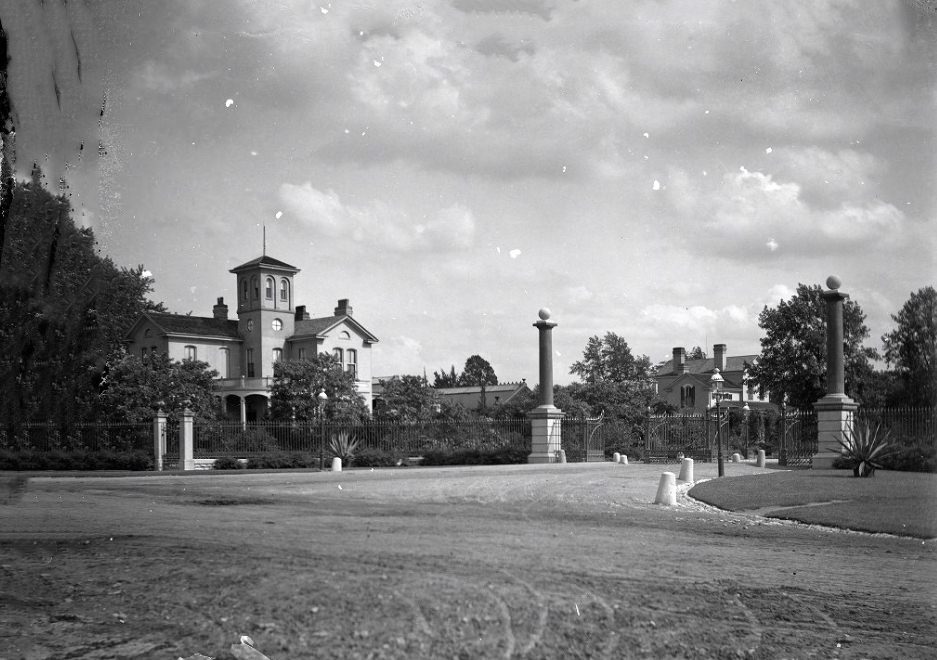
268,288
148,332
337,354
244,290
285,291
688,396
351,355
190,353
255,287
277,354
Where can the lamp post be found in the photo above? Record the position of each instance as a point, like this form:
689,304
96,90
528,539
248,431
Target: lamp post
321,399
717,381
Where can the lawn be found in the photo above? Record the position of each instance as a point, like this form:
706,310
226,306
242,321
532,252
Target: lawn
903,503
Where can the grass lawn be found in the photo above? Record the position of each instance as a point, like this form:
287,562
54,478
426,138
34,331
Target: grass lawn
902,503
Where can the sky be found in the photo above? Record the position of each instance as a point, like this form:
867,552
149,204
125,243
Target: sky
661,170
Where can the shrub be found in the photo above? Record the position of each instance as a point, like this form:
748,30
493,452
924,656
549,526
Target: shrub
374,457
227,463
495,456
74,460
344,445
282,460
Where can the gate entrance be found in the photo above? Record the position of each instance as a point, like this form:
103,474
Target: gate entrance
581,440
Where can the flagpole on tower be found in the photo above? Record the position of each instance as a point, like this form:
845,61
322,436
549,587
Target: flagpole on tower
264,252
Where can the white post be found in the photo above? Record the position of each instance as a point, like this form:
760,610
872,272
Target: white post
686,470
761,458
667,490
159,439
187,441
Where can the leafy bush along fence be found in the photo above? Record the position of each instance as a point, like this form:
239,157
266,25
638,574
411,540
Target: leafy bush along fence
79,446
378,443
911,435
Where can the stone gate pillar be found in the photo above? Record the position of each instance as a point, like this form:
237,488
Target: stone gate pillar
835,410
187,441
545,419
159,439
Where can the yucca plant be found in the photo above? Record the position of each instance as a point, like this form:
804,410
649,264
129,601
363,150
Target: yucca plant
864,447
344,445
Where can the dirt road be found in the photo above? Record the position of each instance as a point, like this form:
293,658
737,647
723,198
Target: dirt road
564,561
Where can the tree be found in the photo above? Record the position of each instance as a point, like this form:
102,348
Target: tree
443,379
134,388
297,383
792,364
912,348
696,353
406,399
63,309
477,372
609,359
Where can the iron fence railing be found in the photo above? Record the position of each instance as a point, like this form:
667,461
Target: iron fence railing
904,426
79,436
216,439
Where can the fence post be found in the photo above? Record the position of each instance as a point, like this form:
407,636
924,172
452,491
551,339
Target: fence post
159,439
186,441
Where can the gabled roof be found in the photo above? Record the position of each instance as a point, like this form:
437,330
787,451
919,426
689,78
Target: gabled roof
267,262
476,389
319,326
729,382
733,363
182,324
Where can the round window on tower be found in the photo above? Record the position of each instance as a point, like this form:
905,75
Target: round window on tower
277,325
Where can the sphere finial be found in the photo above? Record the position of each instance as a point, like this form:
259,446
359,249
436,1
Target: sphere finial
833,282
544,314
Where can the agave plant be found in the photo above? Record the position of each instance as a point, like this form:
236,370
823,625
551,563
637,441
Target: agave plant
344,445
864,447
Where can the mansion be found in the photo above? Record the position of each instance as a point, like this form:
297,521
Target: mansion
686,385
269,327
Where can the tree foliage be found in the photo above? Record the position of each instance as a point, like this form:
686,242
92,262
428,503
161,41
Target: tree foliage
696,353
792,364
63,309
134,388
609,359
443,379
406,399
297,383
911,348
477,372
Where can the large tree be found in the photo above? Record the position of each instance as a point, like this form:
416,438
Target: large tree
297,383
443,379
406,399
792,364
63,309
133,388
477,372
609,359
911,348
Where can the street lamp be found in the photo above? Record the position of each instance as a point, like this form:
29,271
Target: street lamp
717,382
321,399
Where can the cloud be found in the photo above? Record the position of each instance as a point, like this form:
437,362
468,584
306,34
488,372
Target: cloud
378,223
750,215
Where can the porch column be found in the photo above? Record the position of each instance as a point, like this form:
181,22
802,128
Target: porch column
243,401
546,419
835,410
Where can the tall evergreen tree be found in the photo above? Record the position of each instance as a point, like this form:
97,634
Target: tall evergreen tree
912,348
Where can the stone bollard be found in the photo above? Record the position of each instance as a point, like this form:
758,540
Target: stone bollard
336,464
616,457
667,490
686,470
736,457
761,458
624,459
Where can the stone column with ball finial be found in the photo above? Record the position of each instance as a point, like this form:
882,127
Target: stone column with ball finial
545,419
835,410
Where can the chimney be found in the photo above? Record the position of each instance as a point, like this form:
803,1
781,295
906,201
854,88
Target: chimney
220,310
719,356
343,309
679,360
301,313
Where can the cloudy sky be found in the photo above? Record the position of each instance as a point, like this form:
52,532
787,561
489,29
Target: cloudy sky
662,170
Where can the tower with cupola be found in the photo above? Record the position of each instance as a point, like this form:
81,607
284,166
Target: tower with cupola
266,313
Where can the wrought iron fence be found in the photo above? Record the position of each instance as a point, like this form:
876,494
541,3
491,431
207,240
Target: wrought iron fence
903,425
79,436
216,439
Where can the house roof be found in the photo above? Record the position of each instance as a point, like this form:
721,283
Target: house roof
265,261
182,324
733,363
317,327
476,389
